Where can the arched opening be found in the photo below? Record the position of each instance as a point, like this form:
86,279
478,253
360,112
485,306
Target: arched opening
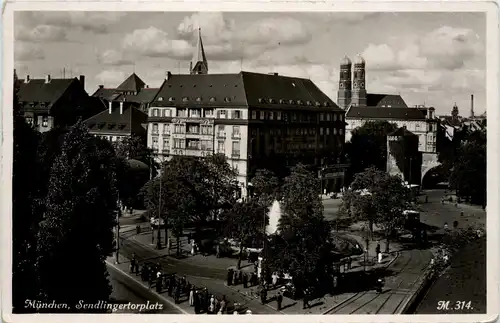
433,177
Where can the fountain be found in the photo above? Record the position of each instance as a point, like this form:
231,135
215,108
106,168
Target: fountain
274,217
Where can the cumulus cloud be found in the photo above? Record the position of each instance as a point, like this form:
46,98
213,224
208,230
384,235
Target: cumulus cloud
111,77
222,39
41,34
443,48
153,42
97,22
26,52
113,58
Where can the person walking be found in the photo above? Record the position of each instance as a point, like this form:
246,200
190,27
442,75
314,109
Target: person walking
245,280
275,279
177,294
229,277
133,264
377,251
217,251
223,304
305,300
206,300
211,306
197,303
263,295
193,246
191,296
279,300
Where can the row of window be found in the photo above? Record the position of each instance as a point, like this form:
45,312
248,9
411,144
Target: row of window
196,113
45,121
295,116
197,99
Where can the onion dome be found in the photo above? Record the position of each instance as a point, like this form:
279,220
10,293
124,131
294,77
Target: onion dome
359,60
345,61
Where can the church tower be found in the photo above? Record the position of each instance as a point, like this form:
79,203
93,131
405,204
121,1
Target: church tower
359,90
199,63
454,111
344,92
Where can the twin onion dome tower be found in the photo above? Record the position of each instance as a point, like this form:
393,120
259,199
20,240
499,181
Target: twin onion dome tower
352,92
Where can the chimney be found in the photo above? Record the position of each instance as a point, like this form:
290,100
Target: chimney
472,105
47,78
101,86
82,80
121,107
110,107
27,79
275,74
169,76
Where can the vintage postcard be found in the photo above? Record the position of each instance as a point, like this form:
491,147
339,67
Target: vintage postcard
257,159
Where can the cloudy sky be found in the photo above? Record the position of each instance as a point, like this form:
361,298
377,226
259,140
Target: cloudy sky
431,58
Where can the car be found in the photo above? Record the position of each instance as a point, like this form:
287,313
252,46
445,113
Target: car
157,222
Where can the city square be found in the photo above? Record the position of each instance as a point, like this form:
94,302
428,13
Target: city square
217,164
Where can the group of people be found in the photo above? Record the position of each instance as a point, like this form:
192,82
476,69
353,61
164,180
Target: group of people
236,277
199,298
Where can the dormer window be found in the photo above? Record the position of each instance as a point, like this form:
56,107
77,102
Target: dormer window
185,99
291,101
326,104
212,99
282,101
171,99
318,104
271,100
198,99
227,99
160,98
299,102
308,102
261,100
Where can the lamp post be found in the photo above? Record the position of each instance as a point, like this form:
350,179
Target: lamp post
158,238
118,214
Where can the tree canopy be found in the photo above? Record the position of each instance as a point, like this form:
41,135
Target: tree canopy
368,147
468,173
377,198
303,245
78,220
265,186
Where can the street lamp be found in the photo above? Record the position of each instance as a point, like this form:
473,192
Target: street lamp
118,214
158,238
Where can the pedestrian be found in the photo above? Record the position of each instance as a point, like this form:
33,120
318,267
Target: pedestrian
274,279
305,300
223,304
235,278
240,277
235,312
196,302
133,264
217,251
377,251
191,297
249,312
177,295
211,306
335,283
446,225
263,295
158,283
192,248
279,300
426,199
171,286
229,277
245,280
206,300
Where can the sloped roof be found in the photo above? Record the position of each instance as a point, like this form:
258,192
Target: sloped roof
43,95
130,121
385,100
133,83
242,89
145,95
104,93
384,113
400,132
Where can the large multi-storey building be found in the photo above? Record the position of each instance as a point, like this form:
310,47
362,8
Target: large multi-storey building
255,120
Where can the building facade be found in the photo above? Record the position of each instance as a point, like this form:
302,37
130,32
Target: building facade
255,120
49,103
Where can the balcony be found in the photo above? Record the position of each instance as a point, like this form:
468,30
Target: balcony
154,132
236,135
221,135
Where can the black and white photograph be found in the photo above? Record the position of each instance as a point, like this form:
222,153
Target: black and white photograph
250,162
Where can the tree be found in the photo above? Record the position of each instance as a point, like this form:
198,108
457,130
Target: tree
24,216
468,174
246,221
368,147
303,245
75,235
378,198
265,186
